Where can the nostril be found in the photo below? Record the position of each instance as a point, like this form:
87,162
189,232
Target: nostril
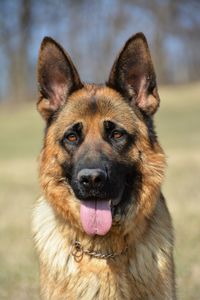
97,179
84,180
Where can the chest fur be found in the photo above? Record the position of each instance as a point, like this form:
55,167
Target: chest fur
143,273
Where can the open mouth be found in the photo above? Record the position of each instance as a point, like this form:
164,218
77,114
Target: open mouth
100,209
97,216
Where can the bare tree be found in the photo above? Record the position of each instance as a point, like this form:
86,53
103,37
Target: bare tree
92,31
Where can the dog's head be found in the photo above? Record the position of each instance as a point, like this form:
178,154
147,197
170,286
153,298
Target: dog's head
100,156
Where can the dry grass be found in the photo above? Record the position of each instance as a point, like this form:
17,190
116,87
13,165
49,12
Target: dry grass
21,134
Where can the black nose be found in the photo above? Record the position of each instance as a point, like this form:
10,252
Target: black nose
92,178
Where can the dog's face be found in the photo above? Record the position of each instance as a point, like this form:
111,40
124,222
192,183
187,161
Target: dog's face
97,141
98,137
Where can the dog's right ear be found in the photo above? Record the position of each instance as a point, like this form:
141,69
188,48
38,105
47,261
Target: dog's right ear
57,77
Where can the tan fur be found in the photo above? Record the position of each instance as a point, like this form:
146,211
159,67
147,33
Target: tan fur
142,235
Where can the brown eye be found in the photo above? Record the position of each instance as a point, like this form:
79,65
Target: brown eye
117,134
72,137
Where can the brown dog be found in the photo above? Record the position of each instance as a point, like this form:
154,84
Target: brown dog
102,229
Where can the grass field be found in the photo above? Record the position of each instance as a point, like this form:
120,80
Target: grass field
178,125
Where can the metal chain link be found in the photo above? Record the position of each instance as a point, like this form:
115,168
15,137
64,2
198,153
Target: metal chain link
78,251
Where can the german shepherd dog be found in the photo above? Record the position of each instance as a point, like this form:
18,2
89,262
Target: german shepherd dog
102,228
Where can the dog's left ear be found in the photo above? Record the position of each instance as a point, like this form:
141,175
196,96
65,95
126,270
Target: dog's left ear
133,75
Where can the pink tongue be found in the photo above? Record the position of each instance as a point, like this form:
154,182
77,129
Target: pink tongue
96,217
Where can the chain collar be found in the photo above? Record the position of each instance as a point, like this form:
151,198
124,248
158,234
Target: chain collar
78,251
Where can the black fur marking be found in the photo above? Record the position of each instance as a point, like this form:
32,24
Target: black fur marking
124,143
67,169
74,129
132,188
151,129
92,107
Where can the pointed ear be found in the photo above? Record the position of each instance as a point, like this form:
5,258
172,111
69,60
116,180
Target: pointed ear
57,77
133,75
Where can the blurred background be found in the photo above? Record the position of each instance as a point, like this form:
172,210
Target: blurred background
93,33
